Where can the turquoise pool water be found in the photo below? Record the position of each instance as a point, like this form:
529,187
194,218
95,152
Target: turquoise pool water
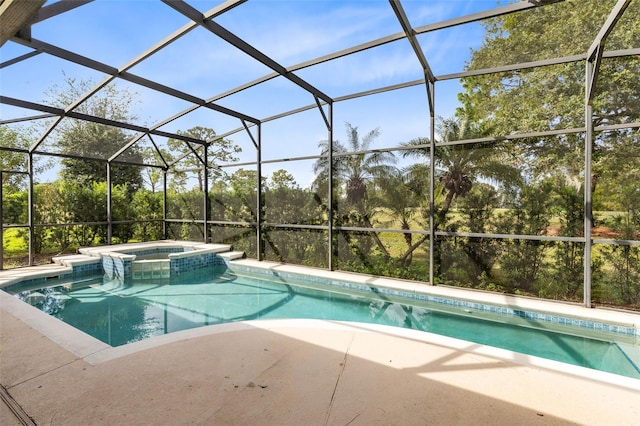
118,313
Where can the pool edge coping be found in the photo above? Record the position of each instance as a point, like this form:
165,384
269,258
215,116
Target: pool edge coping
610,316
94,352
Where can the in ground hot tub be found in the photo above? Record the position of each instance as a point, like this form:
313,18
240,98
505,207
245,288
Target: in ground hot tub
159,259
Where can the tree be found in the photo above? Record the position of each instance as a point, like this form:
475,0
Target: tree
529,213
147,205
401,193
10,160
220,151
283,198
286,203
94,143
477,210
553,98
282,179
459,166
353,174
152,176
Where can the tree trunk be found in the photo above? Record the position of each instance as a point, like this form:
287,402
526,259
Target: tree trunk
411,249
376,238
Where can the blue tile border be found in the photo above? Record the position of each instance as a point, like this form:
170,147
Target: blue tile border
117,268
114,267
121,269
459,303
87,269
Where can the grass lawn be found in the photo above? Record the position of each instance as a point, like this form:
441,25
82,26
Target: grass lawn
13,243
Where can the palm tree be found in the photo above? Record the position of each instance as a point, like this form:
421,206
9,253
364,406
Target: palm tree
355,167
400,193
457,166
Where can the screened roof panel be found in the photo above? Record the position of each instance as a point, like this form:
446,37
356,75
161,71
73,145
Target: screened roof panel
272,97
203,117
150,107
199,64
248,153
146,147
401,121
422,13
112,32
304,130
449,50
10,51
26,80
69,137
386,65
292,32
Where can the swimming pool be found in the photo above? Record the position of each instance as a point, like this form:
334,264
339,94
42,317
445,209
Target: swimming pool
119,312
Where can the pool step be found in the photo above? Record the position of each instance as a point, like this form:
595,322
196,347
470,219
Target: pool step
76,260
232,255
51,270
632,353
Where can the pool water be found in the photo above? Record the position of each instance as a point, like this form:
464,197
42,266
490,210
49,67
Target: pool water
118,313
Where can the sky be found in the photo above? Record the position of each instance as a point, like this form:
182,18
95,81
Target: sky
290,32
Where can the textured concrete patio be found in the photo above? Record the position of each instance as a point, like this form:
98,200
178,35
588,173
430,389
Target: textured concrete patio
291,372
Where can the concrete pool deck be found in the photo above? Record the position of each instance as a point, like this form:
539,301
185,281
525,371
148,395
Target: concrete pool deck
293,372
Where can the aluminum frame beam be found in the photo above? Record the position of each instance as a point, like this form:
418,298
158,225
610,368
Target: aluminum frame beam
594,54
243,46
91,118
410,35
19,59
474,17
592,68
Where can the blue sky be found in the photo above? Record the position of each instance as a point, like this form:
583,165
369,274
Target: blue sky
290,32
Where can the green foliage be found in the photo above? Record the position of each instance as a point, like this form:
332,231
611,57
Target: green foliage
14,206
522,260
191,155
477,210
623,262
13,243
11,160
147,205
551,96
188,206
354,176
401,192
624,274
93,142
